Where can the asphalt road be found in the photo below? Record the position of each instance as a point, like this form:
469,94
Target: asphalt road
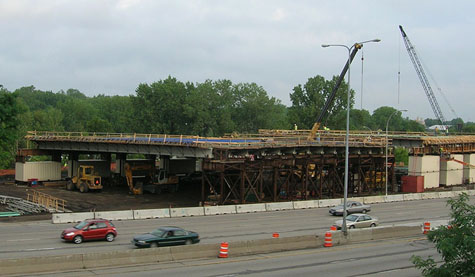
375,258
28,239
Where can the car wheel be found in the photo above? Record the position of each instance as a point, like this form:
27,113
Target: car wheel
372,225
77,239
364,211
188,242
110,237
352,227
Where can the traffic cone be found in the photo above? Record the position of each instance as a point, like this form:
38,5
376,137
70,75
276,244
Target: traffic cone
333,228
426,227
328,240
275,235
223,252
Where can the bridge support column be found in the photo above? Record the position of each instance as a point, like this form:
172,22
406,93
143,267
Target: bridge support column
451,172
73,164
469,172
427,166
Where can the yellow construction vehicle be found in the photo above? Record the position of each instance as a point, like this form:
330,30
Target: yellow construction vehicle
147,179
85,180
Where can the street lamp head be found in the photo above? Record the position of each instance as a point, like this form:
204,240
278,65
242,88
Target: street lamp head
376,40
325,45
403,110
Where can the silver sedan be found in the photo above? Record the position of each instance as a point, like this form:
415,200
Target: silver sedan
352,207
357,221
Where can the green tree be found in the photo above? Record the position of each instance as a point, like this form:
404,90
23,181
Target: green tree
308,101
360,120
401,154
381,115
9,126
117,111
158,107
253,109
469,127
409,125
455,243
49,119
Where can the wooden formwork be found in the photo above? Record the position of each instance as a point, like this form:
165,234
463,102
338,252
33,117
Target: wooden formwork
297,177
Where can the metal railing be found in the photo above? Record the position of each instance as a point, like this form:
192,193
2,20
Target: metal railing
47,201
233,141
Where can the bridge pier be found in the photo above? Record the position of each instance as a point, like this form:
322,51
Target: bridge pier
469,171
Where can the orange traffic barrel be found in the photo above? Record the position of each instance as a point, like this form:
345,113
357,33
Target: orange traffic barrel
333,228
223,251
426,227
275,235
328,240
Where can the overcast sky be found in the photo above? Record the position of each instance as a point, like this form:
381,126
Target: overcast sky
109,47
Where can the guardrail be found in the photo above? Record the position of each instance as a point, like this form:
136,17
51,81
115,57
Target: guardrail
245,208
326,139
47,201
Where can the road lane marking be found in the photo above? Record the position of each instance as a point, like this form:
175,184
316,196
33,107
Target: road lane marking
16,240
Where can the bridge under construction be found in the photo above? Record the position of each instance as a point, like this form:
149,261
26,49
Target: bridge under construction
272,165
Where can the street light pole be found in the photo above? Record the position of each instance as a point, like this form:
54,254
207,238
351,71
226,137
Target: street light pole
386,164
347,144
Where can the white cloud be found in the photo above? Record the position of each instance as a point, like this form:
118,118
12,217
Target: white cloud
112,46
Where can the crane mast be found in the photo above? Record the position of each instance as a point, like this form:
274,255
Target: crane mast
332,95
422,77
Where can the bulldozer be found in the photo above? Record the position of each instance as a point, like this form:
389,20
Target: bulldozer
85,180
150,181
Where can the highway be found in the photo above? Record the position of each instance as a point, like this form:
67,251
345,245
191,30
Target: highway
375,258
29,239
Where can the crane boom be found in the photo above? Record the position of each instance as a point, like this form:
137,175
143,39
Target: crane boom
422,77
330,99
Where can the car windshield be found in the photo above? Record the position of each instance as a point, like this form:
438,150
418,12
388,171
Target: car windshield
351,218
81,225
158,232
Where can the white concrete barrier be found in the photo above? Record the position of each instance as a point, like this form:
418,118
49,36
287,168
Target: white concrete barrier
358,199
250,208
435,224
115,215
412,196
308,204
216,210
374,199
394,198
470,192
429,195
71,217
151,213
279,206
180,212
458,192
446,194
329,202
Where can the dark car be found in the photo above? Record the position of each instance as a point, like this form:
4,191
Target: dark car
352,207
90,229
166,236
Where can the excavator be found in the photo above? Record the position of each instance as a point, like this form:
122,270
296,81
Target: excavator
150,181
331,98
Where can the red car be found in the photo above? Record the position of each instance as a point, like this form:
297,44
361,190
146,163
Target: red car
90,229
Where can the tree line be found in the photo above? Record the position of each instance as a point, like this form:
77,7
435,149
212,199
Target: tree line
170,106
